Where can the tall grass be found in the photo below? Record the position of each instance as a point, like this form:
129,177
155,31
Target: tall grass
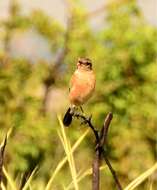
67,148
64,160
76,176
136,182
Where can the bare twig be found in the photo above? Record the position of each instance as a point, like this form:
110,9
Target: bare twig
119,187
2,150
88,121
96,162
96,170
101,141
104,130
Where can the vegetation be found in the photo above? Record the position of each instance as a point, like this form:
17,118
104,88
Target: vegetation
124,55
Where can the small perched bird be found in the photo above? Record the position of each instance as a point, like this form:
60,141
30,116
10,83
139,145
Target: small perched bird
82,86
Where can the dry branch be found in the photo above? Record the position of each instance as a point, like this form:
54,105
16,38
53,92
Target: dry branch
101,141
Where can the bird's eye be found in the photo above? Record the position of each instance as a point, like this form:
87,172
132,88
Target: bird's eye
88,63
80,62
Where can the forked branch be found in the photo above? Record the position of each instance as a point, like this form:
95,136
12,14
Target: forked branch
101,142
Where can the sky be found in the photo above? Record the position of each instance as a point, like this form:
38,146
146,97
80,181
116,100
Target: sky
53,7
27,44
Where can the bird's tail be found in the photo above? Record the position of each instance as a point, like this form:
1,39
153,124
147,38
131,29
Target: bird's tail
67,118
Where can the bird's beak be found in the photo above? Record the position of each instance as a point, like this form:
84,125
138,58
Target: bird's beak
78,64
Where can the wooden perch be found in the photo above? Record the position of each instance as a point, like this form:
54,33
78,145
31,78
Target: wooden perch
101,141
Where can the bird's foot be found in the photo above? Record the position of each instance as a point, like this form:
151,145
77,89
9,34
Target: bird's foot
86,120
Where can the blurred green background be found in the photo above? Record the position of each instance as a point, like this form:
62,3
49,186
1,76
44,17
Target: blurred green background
34,88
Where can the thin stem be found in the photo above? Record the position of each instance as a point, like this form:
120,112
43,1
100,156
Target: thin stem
104,130
96,170
96,162
119,187
88,121
101,141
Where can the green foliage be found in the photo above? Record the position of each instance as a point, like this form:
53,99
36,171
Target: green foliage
77,177
48,28
124,54
127,87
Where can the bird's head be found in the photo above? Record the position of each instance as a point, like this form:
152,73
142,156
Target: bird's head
84,64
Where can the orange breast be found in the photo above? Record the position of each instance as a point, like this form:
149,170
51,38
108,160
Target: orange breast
82,87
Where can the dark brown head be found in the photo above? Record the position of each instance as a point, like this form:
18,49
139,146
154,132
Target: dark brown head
84,63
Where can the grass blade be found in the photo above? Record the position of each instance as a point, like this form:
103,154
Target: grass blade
64,160
68,151
9,179
83,175
3,187
141,178
27,184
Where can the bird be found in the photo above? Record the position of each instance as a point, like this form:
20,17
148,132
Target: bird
82,86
